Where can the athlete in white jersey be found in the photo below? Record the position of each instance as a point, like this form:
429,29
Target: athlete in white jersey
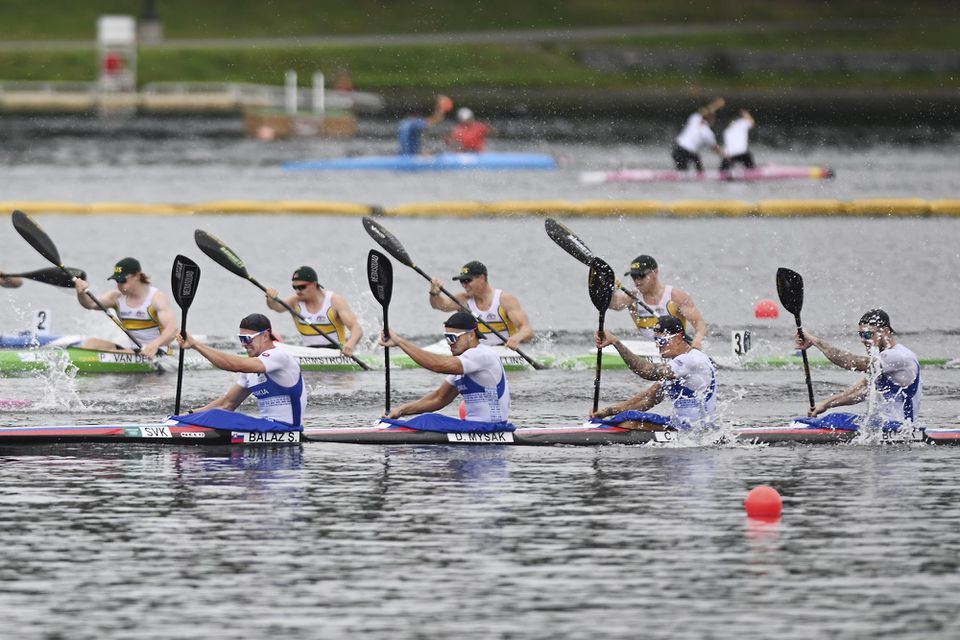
695,135
271,375
142,309
663,300
474,372
736,142
496,309
326,313
892,387
687,379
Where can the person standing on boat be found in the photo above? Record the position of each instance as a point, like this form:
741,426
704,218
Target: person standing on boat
497,308
736,142
470,134
320,307
696,134
141,308
410,131
473,370
664,299
892,386
270,374
688,378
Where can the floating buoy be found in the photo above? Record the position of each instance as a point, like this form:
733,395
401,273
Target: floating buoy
766,309
463,410
763,502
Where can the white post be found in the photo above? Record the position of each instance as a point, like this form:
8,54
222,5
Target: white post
290,95
319,94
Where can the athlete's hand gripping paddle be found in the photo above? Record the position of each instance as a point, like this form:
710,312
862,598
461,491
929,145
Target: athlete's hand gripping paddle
380,277
600,284
790,290
183,281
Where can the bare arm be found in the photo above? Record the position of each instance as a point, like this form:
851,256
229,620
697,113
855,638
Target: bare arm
639,365
272,294
518,317
621,300
168,322
232,399
438,113
10,282
433,401
852,395
222,359
349,319
643,401
435,362
108,299
837,356
688,310
441,302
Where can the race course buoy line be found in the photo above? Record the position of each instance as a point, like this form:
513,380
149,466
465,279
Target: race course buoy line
873,207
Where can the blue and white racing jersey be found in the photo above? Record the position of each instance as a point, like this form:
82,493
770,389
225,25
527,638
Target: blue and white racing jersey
693,390
897,388
279,391
483,385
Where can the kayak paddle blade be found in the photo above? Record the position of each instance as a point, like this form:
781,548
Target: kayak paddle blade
568,241
380,276
52,275
220,253
184,279
36,237
386,240
600,284
790,290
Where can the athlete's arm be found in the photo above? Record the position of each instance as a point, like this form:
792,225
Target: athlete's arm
272,303
517,316
688,310
639,365
440,301
433,401
349,319
620,301
222,359
436,362
232,399
837,356
168,324
851,395
108,299
643,401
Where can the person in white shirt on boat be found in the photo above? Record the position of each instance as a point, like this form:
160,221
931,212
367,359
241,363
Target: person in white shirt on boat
736,142
473,370
141,308
321,307
688,379
494,307
892,387
697,134
268,373
664,300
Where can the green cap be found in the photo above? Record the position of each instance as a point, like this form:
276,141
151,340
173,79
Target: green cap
124,269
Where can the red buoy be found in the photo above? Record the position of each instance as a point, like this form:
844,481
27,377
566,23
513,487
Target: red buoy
463,410
766,309
763,502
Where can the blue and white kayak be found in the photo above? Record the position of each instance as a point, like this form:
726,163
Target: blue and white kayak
487,160
28,339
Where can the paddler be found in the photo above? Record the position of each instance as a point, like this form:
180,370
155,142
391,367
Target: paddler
892,386
663,299
495,307
321,307
473,370
688,379
269,373
470,134
141,308
410,131
736,142
696,134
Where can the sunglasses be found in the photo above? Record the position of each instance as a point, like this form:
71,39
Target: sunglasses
465,280
866,335
247,338
299,287
452,338
662,341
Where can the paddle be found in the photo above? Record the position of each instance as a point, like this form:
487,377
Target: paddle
790,290
387,240
380,277
226,258
183,280
600,284
39,240
51,275
572,244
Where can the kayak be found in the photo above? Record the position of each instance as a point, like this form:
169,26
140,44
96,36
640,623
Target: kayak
27,339
737,174
489,160
511,360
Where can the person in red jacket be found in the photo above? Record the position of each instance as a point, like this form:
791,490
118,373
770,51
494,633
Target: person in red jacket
470,134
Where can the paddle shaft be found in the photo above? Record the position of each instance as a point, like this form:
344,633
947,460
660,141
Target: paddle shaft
806,363
596,379
386,359
183,332
363,365
533,363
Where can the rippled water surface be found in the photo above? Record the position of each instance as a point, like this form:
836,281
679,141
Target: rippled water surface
329,540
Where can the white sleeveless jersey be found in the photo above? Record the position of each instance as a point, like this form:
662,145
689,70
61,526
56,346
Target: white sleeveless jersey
483,385
325,318
693,391
142,322
896,389
494,316
696,134
736,137
664,307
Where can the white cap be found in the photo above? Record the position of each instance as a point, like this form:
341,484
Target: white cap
464,114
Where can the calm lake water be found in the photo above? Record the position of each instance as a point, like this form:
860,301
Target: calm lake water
330,540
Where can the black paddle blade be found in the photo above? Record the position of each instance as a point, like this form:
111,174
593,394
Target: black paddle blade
184,279
35,236
220,253
380,276
790,290
52,275
568,241
386,240
600,283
